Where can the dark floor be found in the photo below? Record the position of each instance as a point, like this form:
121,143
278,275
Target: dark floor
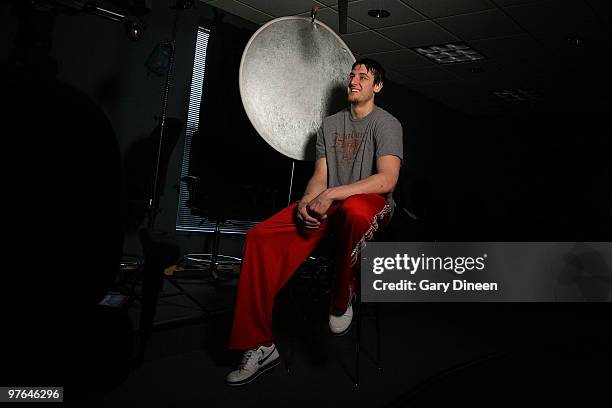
485,354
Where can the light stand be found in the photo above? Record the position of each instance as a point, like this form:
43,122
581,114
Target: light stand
291,182
153,209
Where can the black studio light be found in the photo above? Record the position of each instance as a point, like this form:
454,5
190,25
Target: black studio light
133,24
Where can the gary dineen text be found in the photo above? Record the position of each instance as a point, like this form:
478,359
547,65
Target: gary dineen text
426,285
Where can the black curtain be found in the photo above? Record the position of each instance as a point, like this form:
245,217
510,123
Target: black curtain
242,177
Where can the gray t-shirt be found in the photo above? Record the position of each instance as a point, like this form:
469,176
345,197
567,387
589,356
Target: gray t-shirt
351,146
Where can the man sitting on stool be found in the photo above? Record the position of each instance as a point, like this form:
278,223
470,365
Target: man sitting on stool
358,157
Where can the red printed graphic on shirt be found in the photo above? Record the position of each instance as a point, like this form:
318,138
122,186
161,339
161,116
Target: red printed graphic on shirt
347,145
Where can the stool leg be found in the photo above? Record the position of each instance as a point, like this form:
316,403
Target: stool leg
358,337
289,356
292,295
378,347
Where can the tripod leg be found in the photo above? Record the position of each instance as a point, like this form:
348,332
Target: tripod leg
158,256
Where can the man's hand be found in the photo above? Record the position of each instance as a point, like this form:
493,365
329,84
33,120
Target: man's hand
307,220
319,206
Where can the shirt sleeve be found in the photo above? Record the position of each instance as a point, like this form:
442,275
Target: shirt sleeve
320,151
389,139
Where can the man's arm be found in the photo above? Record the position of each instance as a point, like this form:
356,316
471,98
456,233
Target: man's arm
316,185
382,182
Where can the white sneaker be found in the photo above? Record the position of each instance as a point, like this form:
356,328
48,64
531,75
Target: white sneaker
254,363
340,325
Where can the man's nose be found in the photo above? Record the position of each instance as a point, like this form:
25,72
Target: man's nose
353,80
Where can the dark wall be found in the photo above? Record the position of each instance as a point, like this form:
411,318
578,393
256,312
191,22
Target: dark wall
432,136
545,176
541,176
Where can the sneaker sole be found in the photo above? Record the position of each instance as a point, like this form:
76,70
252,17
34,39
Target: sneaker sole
259,372
344,332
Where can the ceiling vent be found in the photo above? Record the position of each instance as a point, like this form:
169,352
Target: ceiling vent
450,53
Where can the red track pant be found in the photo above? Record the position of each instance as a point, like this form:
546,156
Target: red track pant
275,248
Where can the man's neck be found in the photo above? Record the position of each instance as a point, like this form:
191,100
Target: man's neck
361,110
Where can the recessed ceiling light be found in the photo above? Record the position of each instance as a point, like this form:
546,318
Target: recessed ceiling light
450,53
379,13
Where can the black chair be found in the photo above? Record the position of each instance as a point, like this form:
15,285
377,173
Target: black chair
217,266
219,201
215,201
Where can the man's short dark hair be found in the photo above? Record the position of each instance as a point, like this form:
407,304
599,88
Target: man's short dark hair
374,67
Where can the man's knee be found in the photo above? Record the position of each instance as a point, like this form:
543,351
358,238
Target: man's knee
355,209
255,233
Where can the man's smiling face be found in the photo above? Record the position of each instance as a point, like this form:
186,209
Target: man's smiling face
361,86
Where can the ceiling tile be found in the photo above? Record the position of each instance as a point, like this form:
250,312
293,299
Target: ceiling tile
418,34
477,71
449,88
443,91
242,10
441,8
401,59
553,23
528,71
499,47
505,3
467,97
474,103
484,24
562,42
552,15
281,8
334,2
368,42
397,77
602,7
428,75
400,13
330,17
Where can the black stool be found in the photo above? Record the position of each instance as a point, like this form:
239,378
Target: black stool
316,275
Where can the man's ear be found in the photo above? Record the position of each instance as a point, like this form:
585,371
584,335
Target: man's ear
378,87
